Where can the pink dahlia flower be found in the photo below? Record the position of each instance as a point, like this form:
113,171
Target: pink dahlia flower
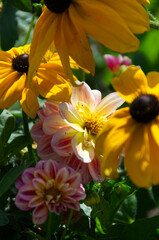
49,186
67,132
114,63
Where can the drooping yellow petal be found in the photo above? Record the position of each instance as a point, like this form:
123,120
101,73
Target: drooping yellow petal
11,87
29,102
131,83
106,26
43,36
53,86
133,13
137,157
111,141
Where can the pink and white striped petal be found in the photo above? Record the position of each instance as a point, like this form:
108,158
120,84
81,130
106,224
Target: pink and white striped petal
37,131
40,214
83,94
82,152
109,104
71,116
97,95
52,123
61,141
44,148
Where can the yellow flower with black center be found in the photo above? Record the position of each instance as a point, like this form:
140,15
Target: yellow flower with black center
50,80
65,24
133,129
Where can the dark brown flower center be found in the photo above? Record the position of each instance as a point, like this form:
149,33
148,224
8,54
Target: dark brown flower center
144,108
57,6
21,63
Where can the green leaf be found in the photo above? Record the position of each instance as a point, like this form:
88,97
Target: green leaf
127,211
7,124
16,145
142,229
24,5
8,27
3,219
155,191
10,177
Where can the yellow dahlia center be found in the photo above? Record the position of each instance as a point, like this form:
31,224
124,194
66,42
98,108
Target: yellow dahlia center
52,194
57,6
93,123
21,63
144,108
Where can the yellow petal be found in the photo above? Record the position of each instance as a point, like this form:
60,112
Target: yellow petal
111,141
131,83
144,2
154,128
137,156
106,25
43,36
29,102
11,88
53,86
154,153
153,83
135,15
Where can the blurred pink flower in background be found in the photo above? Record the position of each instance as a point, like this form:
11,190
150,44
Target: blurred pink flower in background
114,63
66,132
49,186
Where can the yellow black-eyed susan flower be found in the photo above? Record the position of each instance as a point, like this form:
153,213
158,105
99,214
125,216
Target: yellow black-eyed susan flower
50,80
134,129
66,24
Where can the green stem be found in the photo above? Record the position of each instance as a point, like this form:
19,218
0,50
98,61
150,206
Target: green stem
151,16
82,75
30,28
67,224
28,137
35,235
154,24
49,229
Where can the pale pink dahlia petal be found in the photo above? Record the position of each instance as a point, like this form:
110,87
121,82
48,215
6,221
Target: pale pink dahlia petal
50,106
82,151
44,148
83,94
37,131
109,104
40,214
94,169
71,116
61,141
97,95
52,123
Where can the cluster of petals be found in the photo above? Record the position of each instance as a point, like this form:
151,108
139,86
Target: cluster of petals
112,23
49,186
138,137
67,131
114,63
50,80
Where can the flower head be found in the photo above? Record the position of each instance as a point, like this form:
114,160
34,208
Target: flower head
114,63
48,186
65,25
69,130
50,80
134,129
